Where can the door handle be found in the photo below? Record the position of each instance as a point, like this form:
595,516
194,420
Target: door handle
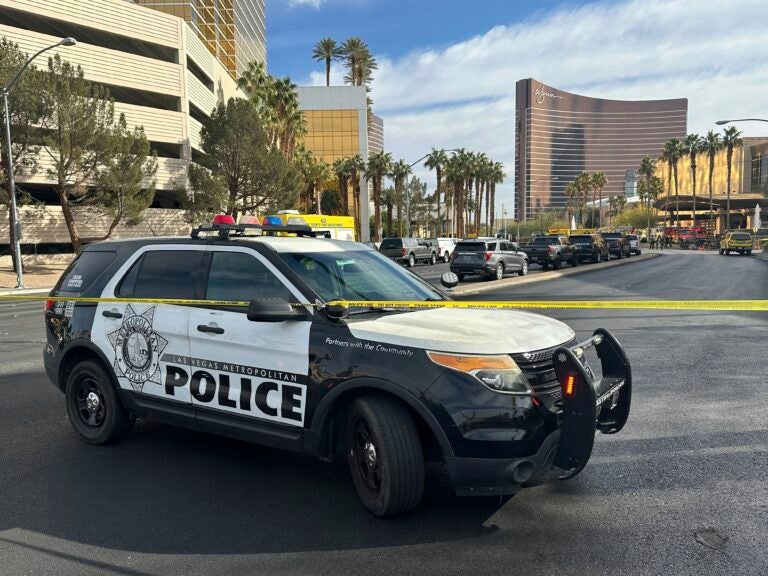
210,329
111,314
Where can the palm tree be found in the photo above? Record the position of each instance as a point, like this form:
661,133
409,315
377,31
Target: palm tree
571,191
481,161
674,150
692,145
379,164
731,139
497,177
599,181
712,144
359,62
327,49
342,169
647,174
436,161
399,172
357,168
454,175
389,197
583,184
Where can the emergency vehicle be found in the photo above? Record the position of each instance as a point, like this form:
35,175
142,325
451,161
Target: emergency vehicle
508,401
336,227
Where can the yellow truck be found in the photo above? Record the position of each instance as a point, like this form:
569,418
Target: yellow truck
336,227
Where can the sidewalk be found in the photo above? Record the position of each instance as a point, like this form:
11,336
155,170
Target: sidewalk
37,278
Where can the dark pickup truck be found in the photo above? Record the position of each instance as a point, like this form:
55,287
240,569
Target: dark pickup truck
408,250
551,251
618,244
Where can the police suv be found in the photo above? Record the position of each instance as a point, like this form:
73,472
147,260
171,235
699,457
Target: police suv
503,398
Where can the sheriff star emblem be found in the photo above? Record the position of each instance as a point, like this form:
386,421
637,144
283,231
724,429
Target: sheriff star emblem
137,348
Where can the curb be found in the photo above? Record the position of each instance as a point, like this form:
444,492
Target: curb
30,291
544,276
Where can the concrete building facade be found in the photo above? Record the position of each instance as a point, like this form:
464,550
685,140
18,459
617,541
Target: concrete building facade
158,71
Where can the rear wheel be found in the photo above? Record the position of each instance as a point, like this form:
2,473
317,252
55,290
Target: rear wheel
499,274
460,277
446,257
432,259
384,455
556,263
93,405
597,257
523,268
575,260
749,252
411,260
620,255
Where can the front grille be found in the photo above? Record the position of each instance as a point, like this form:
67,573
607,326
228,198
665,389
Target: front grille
540,371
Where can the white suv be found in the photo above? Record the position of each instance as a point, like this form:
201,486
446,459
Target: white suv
634,244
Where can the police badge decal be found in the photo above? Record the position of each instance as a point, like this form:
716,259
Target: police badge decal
137,349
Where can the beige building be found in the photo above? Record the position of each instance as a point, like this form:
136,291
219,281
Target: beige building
749,182
159,72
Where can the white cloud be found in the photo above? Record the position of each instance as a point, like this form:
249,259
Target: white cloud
464,95
313,3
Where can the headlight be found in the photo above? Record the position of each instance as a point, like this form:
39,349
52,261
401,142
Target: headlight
498,373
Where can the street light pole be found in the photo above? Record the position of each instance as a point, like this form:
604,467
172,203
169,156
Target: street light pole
15,224
721,122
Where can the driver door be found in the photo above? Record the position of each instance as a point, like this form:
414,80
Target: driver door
243,372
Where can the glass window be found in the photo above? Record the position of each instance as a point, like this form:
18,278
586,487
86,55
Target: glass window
240,276
164,274
358,275
84,270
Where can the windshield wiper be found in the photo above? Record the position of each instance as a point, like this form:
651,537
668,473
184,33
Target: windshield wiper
376,310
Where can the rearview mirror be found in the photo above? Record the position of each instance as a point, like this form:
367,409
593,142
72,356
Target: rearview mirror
274,310
449,280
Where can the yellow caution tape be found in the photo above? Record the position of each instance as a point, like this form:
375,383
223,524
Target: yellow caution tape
710,305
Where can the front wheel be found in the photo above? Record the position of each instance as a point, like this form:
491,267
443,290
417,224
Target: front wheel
460,277
446,257
93,407
384,455
523,268
411,260
575,260
620,255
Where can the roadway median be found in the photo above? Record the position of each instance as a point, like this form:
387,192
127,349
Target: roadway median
477,288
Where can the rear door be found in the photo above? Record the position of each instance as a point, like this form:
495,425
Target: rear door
147,342
512,260
244,373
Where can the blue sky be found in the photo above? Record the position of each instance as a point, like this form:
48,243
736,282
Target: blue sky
447,68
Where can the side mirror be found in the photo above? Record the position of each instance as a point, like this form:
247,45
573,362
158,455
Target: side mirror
337,311
449,280
274,310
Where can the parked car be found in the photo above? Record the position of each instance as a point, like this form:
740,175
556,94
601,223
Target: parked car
409,250
618,245
551,251
445,247
634,244
737,241
490,258
590,247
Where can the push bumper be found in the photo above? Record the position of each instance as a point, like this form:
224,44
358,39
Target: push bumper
588,405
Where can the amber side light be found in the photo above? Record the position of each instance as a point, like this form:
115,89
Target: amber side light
570,384
469,363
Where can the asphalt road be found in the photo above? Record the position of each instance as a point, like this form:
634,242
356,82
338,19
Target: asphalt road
691,463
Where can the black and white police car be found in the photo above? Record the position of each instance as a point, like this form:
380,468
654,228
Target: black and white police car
503,398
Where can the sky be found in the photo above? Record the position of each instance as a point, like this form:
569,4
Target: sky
447,68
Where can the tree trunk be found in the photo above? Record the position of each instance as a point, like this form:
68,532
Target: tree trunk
389,219
600,207
677,196
711,205
69,219
319,200
437,198
693,180
377,205
327,71
728,191
399,201
493,207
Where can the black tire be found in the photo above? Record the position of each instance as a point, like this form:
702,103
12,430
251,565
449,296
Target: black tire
432,259
629,254
384,455
93,406
499,273
523,268
597,257
749,252
620,255
556,264
411,260
460,277
544,265
575,260
446,258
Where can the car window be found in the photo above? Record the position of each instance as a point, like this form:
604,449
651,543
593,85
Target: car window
742,237
470,247
390,243
84,270
163,274
357,275
580,239
239,276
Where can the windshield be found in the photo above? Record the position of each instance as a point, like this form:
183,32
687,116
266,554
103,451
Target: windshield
545,240
741,237
471,247
357,275
581,239
391,243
